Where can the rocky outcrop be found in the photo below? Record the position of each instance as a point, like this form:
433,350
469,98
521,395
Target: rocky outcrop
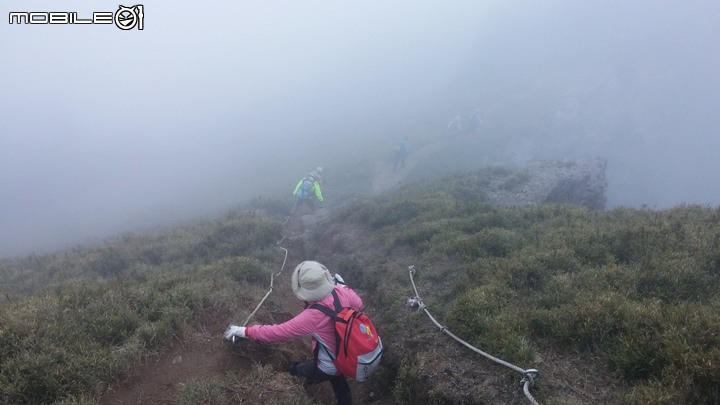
577,181
572,181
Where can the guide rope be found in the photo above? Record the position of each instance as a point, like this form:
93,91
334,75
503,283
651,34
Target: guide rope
529,375
272,278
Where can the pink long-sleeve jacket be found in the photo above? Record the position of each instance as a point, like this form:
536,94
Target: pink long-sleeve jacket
310,322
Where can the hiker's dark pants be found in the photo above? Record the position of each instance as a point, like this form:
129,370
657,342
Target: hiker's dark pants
399,160
313,375
300,201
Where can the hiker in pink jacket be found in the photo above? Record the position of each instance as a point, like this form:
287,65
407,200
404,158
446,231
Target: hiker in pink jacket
312,283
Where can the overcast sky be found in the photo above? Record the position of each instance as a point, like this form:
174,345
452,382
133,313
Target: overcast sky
104,130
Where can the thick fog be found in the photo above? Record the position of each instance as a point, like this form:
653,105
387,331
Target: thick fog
106,131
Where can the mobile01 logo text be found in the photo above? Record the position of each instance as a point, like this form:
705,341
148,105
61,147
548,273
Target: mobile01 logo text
125,18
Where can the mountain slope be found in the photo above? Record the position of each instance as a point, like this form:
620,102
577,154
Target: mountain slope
610,306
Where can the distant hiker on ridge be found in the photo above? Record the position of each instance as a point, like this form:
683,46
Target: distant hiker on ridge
400,153
308,191
455,126
473,122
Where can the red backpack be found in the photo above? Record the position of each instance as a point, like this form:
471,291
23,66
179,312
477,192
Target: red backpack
358,346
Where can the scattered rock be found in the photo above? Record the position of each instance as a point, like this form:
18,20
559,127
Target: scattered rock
572,181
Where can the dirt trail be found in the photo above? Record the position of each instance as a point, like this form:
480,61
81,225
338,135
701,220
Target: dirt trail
386,177
203,355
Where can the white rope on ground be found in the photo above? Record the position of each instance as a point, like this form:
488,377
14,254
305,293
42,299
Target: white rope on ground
529,375
272,277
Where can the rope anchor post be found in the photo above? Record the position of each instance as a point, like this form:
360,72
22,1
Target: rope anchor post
530,375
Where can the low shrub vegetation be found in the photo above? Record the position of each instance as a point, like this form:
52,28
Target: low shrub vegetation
69,339
633,289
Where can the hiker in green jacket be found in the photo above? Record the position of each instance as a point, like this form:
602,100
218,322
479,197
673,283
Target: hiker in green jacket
308,191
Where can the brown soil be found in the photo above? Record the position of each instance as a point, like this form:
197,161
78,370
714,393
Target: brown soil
202,354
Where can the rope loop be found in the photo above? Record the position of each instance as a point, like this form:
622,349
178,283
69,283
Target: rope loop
415,302
530,375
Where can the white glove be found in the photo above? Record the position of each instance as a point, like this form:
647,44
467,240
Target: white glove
339,279
233,332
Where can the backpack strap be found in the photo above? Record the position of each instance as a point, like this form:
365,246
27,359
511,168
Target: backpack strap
332,314
325,310
328,311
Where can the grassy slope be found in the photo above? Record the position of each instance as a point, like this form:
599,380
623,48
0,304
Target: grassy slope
635,289
633,293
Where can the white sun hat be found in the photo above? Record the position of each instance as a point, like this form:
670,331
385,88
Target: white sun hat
311,281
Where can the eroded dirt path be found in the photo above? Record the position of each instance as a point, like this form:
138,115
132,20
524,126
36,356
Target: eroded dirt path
204,355
387,176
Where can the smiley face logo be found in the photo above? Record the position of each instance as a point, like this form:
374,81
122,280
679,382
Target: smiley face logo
126,18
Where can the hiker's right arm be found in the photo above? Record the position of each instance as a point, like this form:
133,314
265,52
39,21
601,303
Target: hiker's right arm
305,323
318,193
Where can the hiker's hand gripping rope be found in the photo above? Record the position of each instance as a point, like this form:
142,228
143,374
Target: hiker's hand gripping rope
234,333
